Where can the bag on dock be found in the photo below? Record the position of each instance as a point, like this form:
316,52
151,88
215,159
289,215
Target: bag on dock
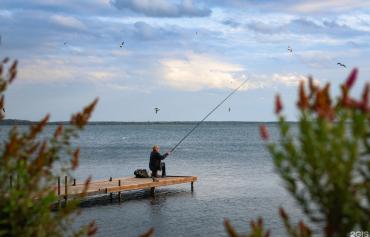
141,173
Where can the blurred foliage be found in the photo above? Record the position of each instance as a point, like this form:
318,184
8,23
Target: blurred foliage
326,166
26,177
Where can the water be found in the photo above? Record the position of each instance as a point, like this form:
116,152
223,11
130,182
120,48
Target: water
236,179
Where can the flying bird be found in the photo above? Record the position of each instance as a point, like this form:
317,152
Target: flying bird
65,43
123,42
341,65
156,110
290,49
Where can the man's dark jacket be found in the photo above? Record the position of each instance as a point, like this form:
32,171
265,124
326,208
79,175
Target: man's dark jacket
155,160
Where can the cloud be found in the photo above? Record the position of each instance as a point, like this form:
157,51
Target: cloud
54,69
295,6
261,81
304,26
163,8
264,28
68,22
230,22
288,79
197,72
328,5
145,32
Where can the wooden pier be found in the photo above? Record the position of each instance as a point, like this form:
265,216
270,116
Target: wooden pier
117,185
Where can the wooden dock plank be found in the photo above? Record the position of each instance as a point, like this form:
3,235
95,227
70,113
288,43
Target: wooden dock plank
122,184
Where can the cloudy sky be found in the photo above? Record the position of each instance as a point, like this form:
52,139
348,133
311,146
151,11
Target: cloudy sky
182,56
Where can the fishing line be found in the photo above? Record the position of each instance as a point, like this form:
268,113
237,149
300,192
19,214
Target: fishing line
213,110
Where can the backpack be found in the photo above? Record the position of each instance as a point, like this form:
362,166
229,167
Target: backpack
141,173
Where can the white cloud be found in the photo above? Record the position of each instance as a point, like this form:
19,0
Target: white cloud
68,22
196,72
60,70
358,22
289,79
260,81
329,5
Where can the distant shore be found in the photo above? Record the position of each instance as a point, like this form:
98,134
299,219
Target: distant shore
28,122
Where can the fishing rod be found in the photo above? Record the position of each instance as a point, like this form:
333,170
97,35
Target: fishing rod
213,110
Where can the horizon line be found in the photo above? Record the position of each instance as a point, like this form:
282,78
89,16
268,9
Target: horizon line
142,121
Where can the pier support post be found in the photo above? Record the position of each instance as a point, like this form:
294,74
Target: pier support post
111,196
119,193
65,189
192,186
58,191
152,191
74,182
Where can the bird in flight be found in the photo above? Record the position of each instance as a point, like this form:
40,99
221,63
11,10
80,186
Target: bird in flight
123,42
290,49
342,65
156,110
65,43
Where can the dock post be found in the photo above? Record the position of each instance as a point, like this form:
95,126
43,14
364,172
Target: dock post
152,191
65,189
192,186
110,179
119,193
58,191
74,182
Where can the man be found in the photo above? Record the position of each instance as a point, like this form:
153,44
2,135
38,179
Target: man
155,163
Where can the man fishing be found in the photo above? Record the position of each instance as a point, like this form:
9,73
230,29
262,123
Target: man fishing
155,163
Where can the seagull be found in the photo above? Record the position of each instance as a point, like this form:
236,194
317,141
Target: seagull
156,110
342,65
290,49
123,42
65,43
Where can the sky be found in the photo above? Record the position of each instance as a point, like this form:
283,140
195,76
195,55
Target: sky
181,56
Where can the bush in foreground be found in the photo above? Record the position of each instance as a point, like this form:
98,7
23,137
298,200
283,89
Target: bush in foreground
326,167
27,178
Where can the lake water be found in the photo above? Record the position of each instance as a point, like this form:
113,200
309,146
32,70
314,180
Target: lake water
236,179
